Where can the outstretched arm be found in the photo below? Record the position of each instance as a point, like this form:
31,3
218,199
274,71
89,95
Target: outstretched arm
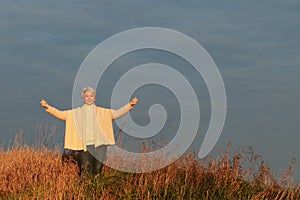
123,110
53,111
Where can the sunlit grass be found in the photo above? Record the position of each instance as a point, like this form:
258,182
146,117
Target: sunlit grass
38,173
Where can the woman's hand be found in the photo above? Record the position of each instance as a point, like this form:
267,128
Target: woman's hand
44,103
134,101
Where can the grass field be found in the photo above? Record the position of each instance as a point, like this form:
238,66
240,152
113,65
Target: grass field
31,173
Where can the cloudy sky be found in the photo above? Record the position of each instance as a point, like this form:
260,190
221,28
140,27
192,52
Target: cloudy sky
255,45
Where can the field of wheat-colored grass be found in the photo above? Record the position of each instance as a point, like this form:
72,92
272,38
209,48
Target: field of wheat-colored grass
38,173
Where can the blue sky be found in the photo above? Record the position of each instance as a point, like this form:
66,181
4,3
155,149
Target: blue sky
255,45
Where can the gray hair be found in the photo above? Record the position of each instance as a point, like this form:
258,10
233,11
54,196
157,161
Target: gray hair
88,89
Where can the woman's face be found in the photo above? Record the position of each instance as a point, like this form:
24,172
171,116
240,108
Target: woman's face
89,97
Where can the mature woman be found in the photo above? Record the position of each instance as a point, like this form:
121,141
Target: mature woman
88,131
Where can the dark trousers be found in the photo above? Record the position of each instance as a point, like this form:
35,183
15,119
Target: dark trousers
91,161
70,156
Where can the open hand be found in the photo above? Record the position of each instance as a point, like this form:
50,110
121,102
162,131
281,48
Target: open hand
44,103
134,101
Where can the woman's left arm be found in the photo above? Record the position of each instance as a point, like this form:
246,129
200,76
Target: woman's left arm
123,110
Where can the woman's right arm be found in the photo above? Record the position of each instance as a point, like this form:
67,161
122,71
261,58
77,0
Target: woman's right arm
53,111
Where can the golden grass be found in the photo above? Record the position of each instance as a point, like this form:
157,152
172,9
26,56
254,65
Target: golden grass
30,173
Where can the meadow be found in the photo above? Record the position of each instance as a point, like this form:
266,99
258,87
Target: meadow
28,172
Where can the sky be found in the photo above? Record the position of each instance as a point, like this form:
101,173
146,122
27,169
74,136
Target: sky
255,45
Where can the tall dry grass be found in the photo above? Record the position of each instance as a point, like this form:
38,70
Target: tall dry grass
30,173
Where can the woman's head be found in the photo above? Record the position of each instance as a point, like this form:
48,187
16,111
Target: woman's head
88,95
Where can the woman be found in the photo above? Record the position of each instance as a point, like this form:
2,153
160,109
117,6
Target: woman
88,131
